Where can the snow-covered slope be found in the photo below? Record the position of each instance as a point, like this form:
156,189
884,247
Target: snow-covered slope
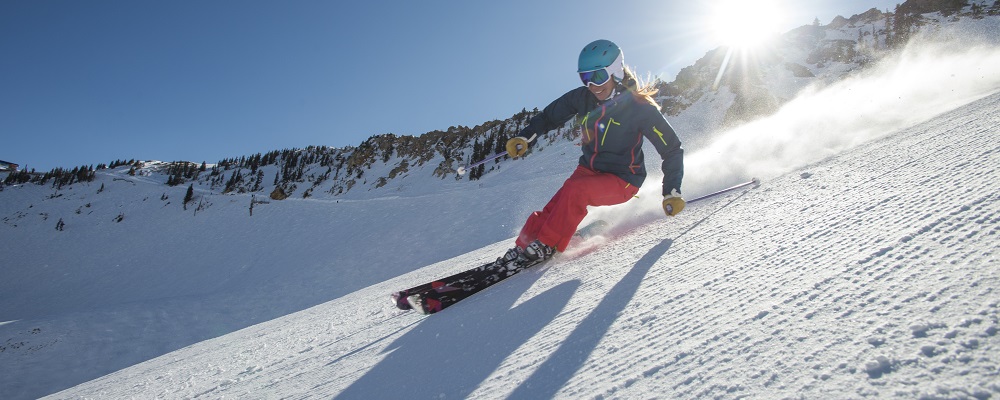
872,273
855,270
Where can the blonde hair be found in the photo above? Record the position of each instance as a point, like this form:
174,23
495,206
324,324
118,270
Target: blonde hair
642,90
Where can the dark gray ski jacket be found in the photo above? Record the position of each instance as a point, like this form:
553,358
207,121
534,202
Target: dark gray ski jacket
613,132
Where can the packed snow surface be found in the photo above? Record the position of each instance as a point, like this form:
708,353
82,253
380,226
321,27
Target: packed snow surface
872,273
864,266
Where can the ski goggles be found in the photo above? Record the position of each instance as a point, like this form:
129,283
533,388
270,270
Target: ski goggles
596,77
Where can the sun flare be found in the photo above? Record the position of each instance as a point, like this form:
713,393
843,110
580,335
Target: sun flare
745,24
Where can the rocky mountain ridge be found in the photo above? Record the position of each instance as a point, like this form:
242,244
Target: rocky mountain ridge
699,101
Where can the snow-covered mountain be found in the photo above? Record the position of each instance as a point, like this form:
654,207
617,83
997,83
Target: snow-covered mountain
872,273
864,266
721,90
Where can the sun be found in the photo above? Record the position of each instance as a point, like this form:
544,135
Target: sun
745,24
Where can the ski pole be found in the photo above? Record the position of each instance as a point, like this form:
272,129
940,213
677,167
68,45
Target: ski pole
461,170
753,181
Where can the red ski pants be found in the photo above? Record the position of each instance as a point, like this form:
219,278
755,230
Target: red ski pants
557,222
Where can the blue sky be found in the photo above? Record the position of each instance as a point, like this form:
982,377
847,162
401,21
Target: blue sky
88,82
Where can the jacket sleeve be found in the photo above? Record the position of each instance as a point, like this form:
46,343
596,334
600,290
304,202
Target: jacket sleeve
576,101
664,139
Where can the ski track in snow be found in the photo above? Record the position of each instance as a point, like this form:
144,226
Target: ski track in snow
872,273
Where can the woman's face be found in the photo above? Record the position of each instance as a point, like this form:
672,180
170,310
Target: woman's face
603,92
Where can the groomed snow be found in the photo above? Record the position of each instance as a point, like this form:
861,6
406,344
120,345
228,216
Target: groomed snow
872,273
865,265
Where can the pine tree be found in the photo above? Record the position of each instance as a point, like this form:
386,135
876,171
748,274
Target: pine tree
189,196
234,180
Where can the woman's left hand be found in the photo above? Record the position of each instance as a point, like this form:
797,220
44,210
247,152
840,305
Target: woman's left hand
673,203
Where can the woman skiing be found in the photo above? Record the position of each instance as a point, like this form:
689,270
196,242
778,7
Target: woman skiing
615,112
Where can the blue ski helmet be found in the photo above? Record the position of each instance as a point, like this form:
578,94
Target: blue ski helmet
602,54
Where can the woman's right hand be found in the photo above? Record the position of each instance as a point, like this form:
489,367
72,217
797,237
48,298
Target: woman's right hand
517,147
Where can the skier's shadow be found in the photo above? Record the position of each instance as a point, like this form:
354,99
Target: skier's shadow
448,355
549,377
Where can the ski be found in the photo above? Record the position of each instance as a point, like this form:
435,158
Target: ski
401,298
446,292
